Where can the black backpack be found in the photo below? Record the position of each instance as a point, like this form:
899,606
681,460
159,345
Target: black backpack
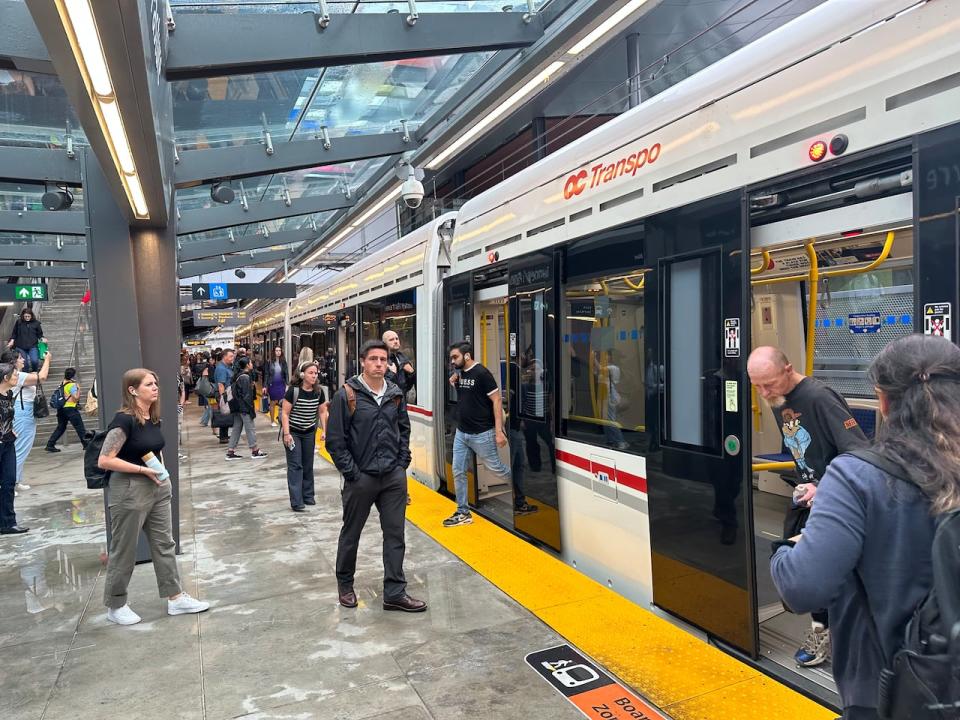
59,398
97,478
922,680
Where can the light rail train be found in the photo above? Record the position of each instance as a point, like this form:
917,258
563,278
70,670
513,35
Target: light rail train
802,192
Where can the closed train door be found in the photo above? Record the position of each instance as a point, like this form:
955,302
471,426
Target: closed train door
698,473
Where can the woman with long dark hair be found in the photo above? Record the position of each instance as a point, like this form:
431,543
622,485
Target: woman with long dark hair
139,497
275,379
865,553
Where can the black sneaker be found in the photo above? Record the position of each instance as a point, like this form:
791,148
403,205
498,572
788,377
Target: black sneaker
525,509
51,448
258,455
231,455
458,518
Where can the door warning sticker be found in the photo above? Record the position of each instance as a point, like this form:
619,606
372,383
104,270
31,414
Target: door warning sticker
589,688
731,337
936,319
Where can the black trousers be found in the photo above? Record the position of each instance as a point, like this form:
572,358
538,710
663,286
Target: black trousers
389,493
300,468
68,415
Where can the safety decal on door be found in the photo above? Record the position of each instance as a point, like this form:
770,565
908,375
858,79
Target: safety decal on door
731,337
936,319
589,688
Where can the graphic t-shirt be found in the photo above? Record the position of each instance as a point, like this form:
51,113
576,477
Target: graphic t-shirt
474,388
817,425
141,439
6,417
303,415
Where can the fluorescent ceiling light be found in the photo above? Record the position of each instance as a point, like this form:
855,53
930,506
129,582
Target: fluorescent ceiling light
117,135
85,30
495,113
606,26
135,191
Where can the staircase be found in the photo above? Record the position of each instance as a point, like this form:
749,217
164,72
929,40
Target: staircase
68,328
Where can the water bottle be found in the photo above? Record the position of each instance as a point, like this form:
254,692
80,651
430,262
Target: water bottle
153,462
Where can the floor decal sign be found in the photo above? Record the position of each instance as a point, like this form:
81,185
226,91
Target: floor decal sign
590,689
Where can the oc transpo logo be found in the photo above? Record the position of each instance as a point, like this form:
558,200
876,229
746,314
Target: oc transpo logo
602,174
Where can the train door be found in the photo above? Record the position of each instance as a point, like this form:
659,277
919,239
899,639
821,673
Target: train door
531,403
698,481
457,326
492,323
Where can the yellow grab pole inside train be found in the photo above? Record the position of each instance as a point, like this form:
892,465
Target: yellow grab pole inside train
813,279
774,466
763,265
873,265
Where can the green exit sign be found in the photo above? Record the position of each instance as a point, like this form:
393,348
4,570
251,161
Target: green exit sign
30,292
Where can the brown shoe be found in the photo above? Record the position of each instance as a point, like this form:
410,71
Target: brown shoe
405,603
348,598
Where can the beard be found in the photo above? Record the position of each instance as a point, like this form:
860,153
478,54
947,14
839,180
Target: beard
775,402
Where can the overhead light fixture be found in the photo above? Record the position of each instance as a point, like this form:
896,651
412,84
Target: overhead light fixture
222,193
496,113
606,26
79,22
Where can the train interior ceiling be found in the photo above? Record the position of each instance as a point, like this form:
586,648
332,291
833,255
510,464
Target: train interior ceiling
830,287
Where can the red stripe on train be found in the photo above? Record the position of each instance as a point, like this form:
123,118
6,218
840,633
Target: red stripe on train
419,411
620,476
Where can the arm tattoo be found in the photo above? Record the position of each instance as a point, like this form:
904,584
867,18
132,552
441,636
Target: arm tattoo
113,442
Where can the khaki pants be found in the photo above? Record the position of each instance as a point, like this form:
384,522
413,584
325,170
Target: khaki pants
137,503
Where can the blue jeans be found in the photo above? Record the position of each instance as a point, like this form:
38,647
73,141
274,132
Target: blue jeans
207,414
25,426
31,358
484,446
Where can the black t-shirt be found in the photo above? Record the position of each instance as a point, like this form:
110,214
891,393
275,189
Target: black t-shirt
474,387
303,415
6,417
817,425
141,439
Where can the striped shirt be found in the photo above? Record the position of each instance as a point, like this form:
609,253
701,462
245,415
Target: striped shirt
303,415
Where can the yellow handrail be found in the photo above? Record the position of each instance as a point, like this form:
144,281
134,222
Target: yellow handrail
837,272
638,286
755,408
813,280
773,466
764,265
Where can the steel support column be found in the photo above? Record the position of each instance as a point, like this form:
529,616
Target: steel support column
634,63
135,313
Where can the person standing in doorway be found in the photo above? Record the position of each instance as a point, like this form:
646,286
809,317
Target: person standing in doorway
223,377
817,425
399,368
244,413
8,452
276,376
69,412
25,338
479,427
139,499
299,415
368,437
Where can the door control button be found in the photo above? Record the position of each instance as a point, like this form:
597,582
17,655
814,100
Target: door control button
731,444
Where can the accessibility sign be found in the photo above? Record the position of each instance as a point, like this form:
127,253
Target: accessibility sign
587,687
24,293
218,292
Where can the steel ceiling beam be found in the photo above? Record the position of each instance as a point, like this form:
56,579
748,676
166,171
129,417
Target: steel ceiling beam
213,45
37,251
204,166
40,165
44,222
224,216
21,47
230,262
223,246
73,272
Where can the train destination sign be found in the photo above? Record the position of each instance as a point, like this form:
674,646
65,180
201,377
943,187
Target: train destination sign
211,318
243,291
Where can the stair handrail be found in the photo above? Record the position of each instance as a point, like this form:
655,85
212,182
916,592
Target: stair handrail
75,351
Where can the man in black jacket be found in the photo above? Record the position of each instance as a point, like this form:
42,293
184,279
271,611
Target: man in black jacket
368,437
243,407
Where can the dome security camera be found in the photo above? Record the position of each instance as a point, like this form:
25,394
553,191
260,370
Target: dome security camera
412,190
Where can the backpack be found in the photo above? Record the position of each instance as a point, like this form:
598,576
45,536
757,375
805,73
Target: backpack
97,478
352,399
59,398
922,680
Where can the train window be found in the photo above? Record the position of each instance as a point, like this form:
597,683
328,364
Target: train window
533,372
602,350
397,312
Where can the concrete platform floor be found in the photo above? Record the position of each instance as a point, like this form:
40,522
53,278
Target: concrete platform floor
275,644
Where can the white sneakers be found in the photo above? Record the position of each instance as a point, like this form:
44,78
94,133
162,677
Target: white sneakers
122,616
183,605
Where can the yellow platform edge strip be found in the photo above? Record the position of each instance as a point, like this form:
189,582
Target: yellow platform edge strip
678,672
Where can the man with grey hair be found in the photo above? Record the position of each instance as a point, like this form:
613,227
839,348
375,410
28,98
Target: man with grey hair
817,425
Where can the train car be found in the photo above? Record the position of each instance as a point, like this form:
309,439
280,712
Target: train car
394,288
800,192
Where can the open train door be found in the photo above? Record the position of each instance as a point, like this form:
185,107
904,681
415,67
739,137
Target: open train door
698,466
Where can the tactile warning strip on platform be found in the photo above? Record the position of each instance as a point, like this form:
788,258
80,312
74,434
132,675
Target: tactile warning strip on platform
685,677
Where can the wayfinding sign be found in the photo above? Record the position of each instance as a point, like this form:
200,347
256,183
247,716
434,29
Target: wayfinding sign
243,291
24,293
211,318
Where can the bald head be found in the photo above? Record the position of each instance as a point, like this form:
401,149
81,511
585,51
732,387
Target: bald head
392,340
772,374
